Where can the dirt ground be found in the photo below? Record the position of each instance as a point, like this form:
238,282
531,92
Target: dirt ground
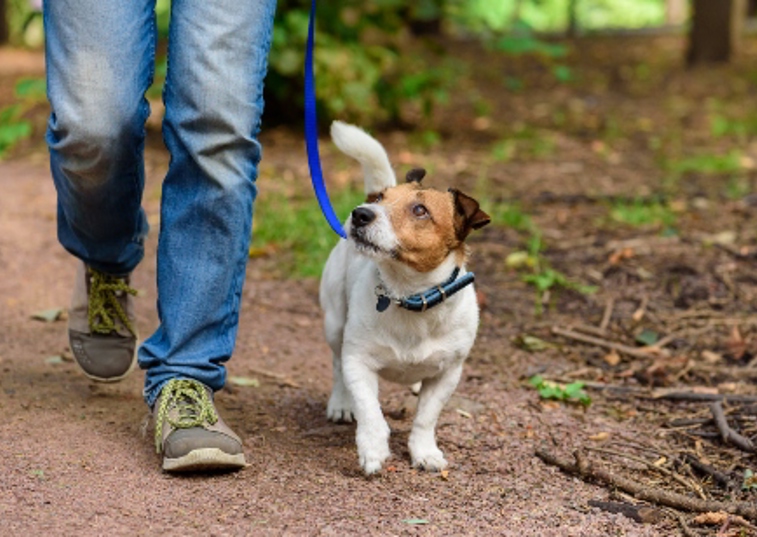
76,461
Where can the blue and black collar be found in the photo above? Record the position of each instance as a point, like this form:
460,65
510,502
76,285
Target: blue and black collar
422,301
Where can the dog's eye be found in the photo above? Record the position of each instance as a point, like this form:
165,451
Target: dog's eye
375,198
420,210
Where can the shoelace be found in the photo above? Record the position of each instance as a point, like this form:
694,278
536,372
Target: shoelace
104,307
193,405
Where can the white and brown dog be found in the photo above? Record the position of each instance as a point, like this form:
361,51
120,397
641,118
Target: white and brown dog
397,301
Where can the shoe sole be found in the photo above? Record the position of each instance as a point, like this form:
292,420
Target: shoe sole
203,460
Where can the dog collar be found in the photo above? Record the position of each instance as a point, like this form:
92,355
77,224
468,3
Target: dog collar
422,301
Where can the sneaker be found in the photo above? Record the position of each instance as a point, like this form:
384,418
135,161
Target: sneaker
101,325
190,433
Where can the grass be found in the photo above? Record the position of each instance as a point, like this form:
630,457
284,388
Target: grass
640,213
298,226
14,127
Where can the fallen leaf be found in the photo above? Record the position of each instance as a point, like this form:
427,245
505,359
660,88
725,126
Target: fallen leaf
711,357
600,437
444,474
245,381
48,316
612,358
54,360
463,413
416,521
647,337
531,343
736,344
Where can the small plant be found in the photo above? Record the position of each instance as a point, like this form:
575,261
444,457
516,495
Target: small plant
13,125
543,277
643,213
570,393
705,163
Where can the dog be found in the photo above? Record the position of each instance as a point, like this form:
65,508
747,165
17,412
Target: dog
397,301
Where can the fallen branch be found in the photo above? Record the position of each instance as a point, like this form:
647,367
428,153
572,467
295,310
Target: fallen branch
728,435
652,466
588,472
620,347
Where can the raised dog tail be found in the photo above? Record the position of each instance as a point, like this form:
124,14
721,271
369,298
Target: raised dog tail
358,144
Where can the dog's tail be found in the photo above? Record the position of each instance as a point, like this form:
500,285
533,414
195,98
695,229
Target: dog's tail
358,144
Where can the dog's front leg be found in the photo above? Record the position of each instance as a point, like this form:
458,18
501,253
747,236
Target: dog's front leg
372,430
435,393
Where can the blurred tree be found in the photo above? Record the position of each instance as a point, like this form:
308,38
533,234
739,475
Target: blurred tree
4,26
715,30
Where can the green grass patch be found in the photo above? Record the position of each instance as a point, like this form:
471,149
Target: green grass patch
640,213
706,163
297,229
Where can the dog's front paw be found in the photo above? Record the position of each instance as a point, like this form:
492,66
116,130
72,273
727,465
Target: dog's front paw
373,459
426,455
431,462
373,447
339,408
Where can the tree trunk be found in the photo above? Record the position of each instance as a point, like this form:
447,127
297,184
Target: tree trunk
4,29
715,30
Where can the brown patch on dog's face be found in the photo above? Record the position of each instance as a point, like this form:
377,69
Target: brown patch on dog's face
429,224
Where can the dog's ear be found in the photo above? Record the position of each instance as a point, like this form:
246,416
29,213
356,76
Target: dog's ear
415,175
468,214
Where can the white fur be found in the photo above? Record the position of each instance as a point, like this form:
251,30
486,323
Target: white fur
399,345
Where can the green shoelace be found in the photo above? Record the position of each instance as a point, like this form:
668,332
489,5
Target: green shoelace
193,404
104,307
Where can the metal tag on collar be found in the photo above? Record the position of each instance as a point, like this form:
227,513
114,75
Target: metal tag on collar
382,303
382,300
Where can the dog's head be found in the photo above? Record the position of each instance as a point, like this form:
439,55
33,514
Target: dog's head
417,226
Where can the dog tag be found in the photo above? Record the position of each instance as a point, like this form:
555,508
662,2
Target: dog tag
382,303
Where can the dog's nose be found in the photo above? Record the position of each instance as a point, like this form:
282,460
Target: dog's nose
362,216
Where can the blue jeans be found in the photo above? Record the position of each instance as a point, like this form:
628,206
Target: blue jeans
100,61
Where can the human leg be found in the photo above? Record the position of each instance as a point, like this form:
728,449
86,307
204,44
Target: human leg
217,61
99,56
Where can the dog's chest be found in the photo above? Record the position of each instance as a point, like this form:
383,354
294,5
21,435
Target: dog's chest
407,352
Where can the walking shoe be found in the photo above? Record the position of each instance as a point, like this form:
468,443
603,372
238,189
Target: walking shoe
190,433
101,328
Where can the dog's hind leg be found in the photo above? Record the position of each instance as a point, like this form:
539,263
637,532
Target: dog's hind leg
435,393
340,407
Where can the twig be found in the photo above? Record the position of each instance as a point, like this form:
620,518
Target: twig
625,349
583,469
673,475
685,529
719,477
607,315
728,435
699,396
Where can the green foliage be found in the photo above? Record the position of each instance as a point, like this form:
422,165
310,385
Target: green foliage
14,127
510,215
642,213
539,273
707,163
296,226
570,393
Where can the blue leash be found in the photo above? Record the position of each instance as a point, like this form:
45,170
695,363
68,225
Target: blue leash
311,134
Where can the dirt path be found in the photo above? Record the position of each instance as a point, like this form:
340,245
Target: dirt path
76,463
